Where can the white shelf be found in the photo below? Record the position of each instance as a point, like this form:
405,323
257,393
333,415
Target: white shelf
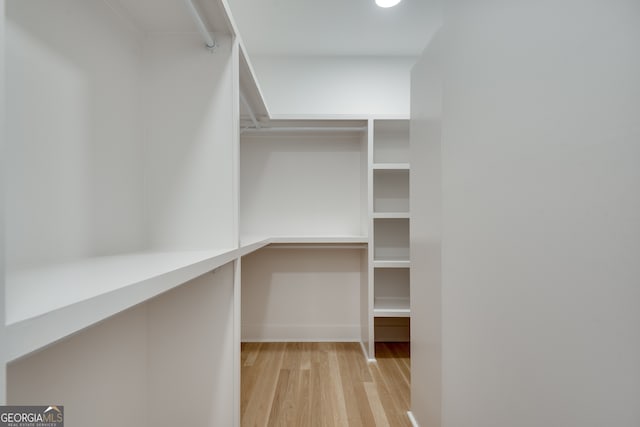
391,166
318,239
390,141
46,304
392,307
391,239
383,263
391,215
251,244
391,190
313,242
391,313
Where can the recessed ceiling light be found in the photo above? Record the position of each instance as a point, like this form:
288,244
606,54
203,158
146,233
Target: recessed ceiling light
387,3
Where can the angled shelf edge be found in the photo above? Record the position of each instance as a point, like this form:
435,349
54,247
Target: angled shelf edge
48,304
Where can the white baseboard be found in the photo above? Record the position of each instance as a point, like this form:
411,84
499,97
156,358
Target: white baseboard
298,340
414,423
300,333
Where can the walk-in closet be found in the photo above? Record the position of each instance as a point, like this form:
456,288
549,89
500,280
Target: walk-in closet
157,215
252,213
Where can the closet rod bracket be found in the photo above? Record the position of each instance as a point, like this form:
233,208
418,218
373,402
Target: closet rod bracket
207,36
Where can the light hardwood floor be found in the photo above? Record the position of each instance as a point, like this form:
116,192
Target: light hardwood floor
324,384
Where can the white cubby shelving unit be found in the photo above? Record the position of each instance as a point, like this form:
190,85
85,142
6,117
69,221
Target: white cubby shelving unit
389,217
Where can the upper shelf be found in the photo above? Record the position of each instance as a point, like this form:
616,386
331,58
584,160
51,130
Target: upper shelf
302,242
46,304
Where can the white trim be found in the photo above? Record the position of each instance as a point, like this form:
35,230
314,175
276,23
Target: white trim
303,333
414,423
366,356
249,340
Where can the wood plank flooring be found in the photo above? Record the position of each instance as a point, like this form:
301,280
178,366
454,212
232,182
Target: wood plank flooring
324,385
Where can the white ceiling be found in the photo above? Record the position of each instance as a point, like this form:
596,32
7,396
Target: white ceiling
334,27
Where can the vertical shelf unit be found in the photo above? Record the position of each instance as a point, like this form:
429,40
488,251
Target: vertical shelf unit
389,217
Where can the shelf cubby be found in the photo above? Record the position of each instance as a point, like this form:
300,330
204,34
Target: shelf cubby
391,142
297,182
391,292
391,239
391,166
390,191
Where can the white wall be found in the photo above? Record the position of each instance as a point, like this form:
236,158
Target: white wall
301,295
99,368
191,353
426,236
189,146
541,208
117,142
301,185
327,85
73,132
2,207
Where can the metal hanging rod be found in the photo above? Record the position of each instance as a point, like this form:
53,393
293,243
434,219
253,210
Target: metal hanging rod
209,41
